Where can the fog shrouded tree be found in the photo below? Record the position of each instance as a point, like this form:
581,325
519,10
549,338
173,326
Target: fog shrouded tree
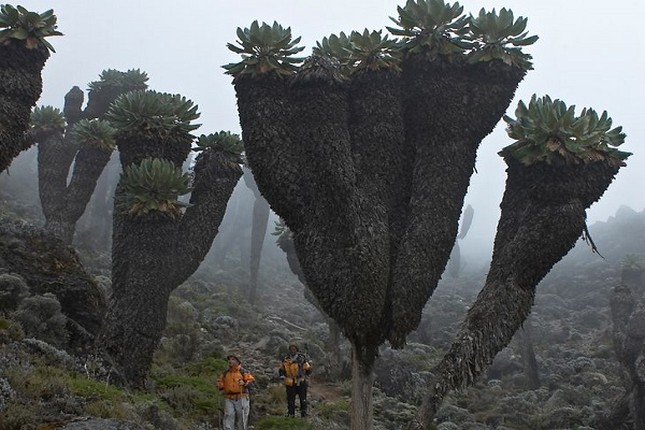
559,164
23,53
366,152
158,242
628,319
261,212
454,263
86,142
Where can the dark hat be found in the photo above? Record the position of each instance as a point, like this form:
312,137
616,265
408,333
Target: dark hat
228,357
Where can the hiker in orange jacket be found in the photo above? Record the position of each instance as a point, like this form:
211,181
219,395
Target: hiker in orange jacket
234,384
294,371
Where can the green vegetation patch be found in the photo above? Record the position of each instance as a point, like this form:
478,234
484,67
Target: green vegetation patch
549,131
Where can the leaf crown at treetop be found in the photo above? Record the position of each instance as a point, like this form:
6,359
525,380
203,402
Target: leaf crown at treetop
17,23
431,28
152,114
337,47
47,118
226,142
132,80
94,132
548,131
265,49
361,51
153,185
437,28
492,33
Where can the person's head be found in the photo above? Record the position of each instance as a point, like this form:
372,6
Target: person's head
233,360
293,349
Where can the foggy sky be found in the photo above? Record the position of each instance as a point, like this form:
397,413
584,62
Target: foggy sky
589,55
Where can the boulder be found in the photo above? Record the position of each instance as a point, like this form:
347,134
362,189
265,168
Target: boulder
49,266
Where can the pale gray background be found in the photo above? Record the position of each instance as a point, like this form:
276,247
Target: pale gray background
589,54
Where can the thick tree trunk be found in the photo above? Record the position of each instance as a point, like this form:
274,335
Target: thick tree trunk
60,228
97,220
20,87
449,108
152,254
362,382
134,323
55,155
142,266
88,166
215,179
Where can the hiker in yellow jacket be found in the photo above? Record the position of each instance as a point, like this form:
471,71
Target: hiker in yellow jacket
234,384
294,371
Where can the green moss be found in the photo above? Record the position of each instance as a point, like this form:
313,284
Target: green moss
93,389
282,423
189,394
330,410
208,366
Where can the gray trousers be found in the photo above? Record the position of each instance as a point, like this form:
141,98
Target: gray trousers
236,414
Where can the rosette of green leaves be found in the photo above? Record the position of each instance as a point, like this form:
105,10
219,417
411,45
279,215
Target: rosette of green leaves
152,114
265,49
17,23
500,37
337,47
115,80
94,132
45,119
549,131
373,51
431,27
153,186
225,142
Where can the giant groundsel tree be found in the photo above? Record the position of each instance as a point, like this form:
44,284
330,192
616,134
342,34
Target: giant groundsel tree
158,241
366,152
81,138
559,164
23,53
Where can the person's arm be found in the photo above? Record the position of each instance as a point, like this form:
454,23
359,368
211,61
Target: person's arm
220,382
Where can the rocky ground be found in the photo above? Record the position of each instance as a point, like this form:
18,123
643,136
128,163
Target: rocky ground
570,331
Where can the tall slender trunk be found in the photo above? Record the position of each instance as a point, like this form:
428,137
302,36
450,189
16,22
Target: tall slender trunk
528,357
261,212
362,382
